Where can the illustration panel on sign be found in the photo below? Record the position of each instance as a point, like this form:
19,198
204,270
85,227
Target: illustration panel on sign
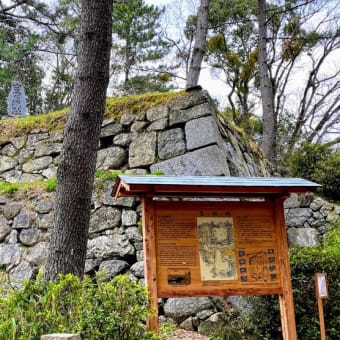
217,248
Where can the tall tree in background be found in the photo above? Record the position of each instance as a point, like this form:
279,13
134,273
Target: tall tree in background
68,244
200,44
232,49
138,41
269,118
293,58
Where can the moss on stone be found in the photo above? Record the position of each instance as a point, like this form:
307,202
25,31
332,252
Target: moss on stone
115,108
118,106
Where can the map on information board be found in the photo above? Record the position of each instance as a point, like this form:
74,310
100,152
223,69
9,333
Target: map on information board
217,248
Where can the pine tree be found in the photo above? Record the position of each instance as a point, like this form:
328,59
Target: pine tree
137,27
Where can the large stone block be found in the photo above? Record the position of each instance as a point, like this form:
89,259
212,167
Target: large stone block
182,116
129,217
111,268
23,271
191,99
34,138
303,237
37,164
38,254
155,113
110,129
10,254
104,218
296,217
111,158
158,125
181,308
209,161
19,142
29,237
201,132
46,149
142,151
24,220
7,163
9,150
125,139
171,143
107,246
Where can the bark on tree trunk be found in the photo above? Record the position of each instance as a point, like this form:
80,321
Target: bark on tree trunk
68,244
268,115
200,44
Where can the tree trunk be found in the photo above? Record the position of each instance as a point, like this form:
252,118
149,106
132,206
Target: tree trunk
68,244
268,115
200,44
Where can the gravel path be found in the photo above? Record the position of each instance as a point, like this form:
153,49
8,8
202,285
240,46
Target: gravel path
181,334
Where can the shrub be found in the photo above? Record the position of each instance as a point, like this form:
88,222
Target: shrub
304,161
319,163
328,174
264,320
102,310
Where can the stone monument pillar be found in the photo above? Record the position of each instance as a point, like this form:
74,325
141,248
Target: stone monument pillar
16,102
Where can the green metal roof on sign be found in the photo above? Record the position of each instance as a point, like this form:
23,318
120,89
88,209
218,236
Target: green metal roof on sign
207,185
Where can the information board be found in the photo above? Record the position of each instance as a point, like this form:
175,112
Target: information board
212,249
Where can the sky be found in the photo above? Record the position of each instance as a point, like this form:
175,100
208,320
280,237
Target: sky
158,2
216,88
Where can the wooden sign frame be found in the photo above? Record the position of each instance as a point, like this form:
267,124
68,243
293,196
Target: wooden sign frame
243,228
281,287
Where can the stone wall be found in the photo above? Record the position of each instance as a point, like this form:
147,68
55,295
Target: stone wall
183,137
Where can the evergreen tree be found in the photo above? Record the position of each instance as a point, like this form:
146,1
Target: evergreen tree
232,49
137,36
67,251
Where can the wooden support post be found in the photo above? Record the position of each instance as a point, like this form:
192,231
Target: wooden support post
286,298
149,244
321,320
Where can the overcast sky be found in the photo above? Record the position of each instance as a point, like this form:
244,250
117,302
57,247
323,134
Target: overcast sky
215,87
158,2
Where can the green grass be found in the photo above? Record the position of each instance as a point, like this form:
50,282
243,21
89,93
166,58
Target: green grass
50,185
7,188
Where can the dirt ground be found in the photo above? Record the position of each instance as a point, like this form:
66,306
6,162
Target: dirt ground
181,334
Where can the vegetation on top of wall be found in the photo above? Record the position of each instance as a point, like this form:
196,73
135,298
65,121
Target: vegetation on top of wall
49,185
115,108
21,126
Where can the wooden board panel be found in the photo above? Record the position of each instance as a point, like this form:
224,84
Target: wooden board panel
216,248
150,254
